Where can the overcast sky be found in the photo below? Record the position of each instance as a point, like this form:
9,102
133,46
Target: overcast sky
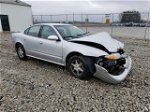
40,7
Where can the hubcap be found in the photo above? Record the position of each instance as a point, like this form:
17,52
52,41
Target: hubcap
77,67
20,52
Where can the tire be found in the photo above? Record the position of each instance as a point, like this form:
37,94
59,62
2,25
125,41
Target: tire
21,52
78,67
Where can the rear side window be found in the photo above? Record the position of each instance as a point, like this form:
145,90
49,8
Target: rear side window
34,31
26,31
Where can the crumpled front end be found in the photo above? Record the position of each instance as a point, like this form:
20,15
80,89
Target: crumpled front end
114,75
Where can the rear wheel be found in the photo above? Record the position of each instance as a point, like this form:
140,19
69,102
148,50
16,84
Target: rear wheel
77,66
21,52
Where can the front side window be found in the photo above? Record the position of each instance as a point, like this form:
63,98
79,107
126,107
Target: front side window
34,31
47,31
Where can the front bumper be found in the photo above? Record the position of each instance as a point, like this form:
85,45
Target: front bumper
103,74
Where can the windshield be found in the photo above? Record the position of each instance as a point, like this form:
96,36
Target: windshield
69,32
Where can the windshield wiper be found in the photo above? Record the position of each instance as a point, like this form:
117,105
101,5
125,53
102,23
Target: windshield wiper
83,34
70,36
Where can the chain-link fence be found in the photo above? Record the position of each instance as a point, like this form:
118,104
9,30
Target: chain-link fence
129,25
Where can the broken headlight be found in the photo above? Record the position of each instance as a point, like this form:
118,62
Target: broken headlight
113,56
113,63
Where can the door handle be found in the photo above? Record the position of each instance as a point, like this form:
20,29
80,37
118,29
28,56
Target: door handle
41,43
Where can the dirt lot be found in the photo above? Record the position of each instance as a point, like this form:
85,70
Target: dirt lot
34,85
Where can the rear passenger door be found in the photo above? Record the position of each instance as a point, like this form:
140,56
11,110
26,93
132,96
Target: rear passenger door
50,49
31,40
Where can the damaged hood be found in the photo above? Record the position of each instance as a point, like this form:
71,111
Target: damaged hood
103,40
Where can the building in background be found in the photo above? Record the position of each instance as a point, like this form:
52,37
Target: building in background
15,15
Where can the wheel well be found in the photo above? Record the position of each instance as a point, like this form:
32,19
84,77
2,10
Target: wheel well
89,61
17,44
73,54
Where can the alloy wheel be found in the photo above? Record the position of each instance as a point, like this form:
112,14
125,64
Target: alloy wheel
20,52
77,67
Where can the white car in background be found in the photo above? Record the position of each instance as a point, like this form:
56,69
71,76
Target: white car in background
84,55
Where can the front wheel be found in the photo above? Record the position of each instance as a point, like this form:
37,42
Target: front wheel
77,66
21,52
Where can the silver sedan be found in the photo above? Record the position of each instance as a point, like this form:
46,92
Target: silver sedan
83,54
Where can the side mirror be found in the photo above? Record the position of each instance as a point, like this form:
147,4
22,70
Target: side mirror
53,37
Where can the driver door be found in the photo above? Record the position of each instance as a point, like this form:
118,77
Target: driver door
50,50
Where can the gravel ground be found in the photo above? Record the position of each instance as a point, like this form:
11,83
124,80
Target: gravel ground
34,85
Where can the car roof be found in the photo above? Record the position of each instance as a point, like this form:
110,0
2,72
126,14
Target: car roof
52,24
